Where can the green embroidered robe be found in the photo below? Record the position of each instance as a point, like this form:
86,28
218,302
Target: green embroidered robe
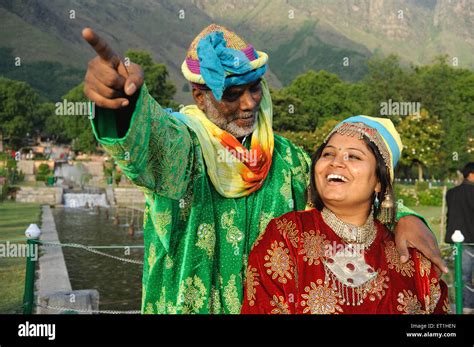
196,241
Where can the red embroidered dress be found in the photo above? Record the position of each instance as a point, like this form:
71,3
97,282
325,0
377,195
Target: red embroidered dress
293,268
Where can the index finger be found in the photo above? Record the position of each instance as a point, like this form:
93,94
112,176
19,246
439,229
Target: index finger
100,46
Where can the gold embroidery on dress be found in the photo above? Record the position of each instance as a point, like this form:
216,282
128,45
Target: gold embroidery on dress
192,294
151,256
425,265
265,218
234,235
206,239
320,299
161,220
165,307
314,246
231,297
376,289
409,303
279,263
215,306
435,295
288,230
185,204
393,259
168,262
145,216
285,189
446,307
281,307
252,281
149,308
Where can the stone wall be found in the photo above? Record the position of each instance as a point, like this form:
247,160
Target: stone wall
40,195
129,197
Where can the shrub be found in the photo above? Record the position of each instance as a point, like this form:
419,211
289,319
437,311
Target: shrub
43,172
421,186
431,197
406,195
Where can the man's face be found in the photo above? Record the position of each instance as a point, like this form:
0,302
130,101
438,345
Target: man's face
237,112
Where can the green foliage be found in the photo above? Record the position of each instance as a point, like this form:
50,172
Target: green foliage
18,107
437,142
43,172
406,195
421,186
431,197
421,136
117,178
11,173
49,79
156,77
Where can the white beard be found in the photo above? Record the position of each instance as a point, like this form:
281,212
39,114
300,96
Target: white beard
213,115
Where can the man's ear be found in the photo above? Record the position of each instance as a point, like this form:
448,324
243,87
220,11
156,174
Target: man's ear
198,96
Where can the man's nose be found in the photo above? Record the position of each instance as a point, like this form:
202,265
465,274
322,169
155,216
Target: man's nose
247,101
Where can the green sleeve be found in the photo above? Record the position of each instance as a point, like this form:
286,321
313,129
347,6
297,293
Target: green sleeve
403,211
156,151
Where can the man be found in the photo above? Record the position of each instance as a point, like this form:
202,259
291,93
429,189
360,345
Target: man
460,201
213,175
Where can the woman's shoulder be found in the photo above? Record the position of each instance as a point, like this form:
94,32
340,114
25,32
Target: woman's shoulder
285,228
300,217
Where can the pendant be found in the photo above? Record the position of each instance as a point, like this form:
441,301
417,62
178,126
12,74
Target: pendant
350,276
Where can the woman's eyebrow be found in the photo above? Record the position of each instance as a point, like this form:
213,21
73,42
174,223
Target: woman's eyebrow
357,149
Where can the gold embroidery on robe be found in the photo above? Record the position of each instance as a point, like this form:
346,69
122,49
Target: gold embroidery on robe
281,307
161,220
279,264
206,239
192,294
320,299
252,282
425,265
393,259
314,246
288,230
409,303
231,297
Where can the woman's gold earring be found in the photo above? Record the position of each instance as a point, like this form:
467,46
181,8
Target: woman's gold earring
386,209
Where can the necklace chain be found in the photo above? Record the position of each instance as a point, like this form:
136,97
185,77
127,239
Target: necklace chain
349,233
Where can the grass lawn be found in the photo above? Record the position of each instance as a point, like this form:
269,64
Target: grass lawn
433,215
14,219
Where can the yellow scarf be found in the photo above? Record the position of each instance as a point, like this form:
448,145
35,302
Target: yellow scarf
234,170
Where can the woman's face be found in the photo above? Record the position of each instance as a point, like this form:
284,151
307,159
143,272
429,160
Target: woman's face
345,173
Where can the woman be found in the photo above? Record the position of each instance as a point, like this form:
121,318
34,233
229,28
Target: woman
340,257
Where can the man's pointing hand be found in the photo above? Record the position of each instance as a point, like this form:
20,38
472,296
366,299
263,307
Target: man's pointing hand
108,81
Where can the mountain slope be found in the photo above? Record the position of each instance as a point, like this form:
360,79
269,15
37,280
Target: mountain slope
298,35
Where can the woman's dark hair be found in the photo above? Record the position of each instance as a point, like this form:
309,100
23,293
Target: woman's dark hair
381,170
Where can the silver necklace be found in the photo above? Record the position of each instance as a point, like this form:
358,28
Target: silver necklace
349,233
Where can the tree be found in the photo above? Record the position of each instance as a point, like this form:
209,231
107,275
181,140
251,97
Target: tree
289,113
156,77
18,108
421,136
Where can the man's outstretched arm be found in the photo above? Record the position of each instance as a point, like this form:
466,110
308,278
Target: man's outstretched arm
151,147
